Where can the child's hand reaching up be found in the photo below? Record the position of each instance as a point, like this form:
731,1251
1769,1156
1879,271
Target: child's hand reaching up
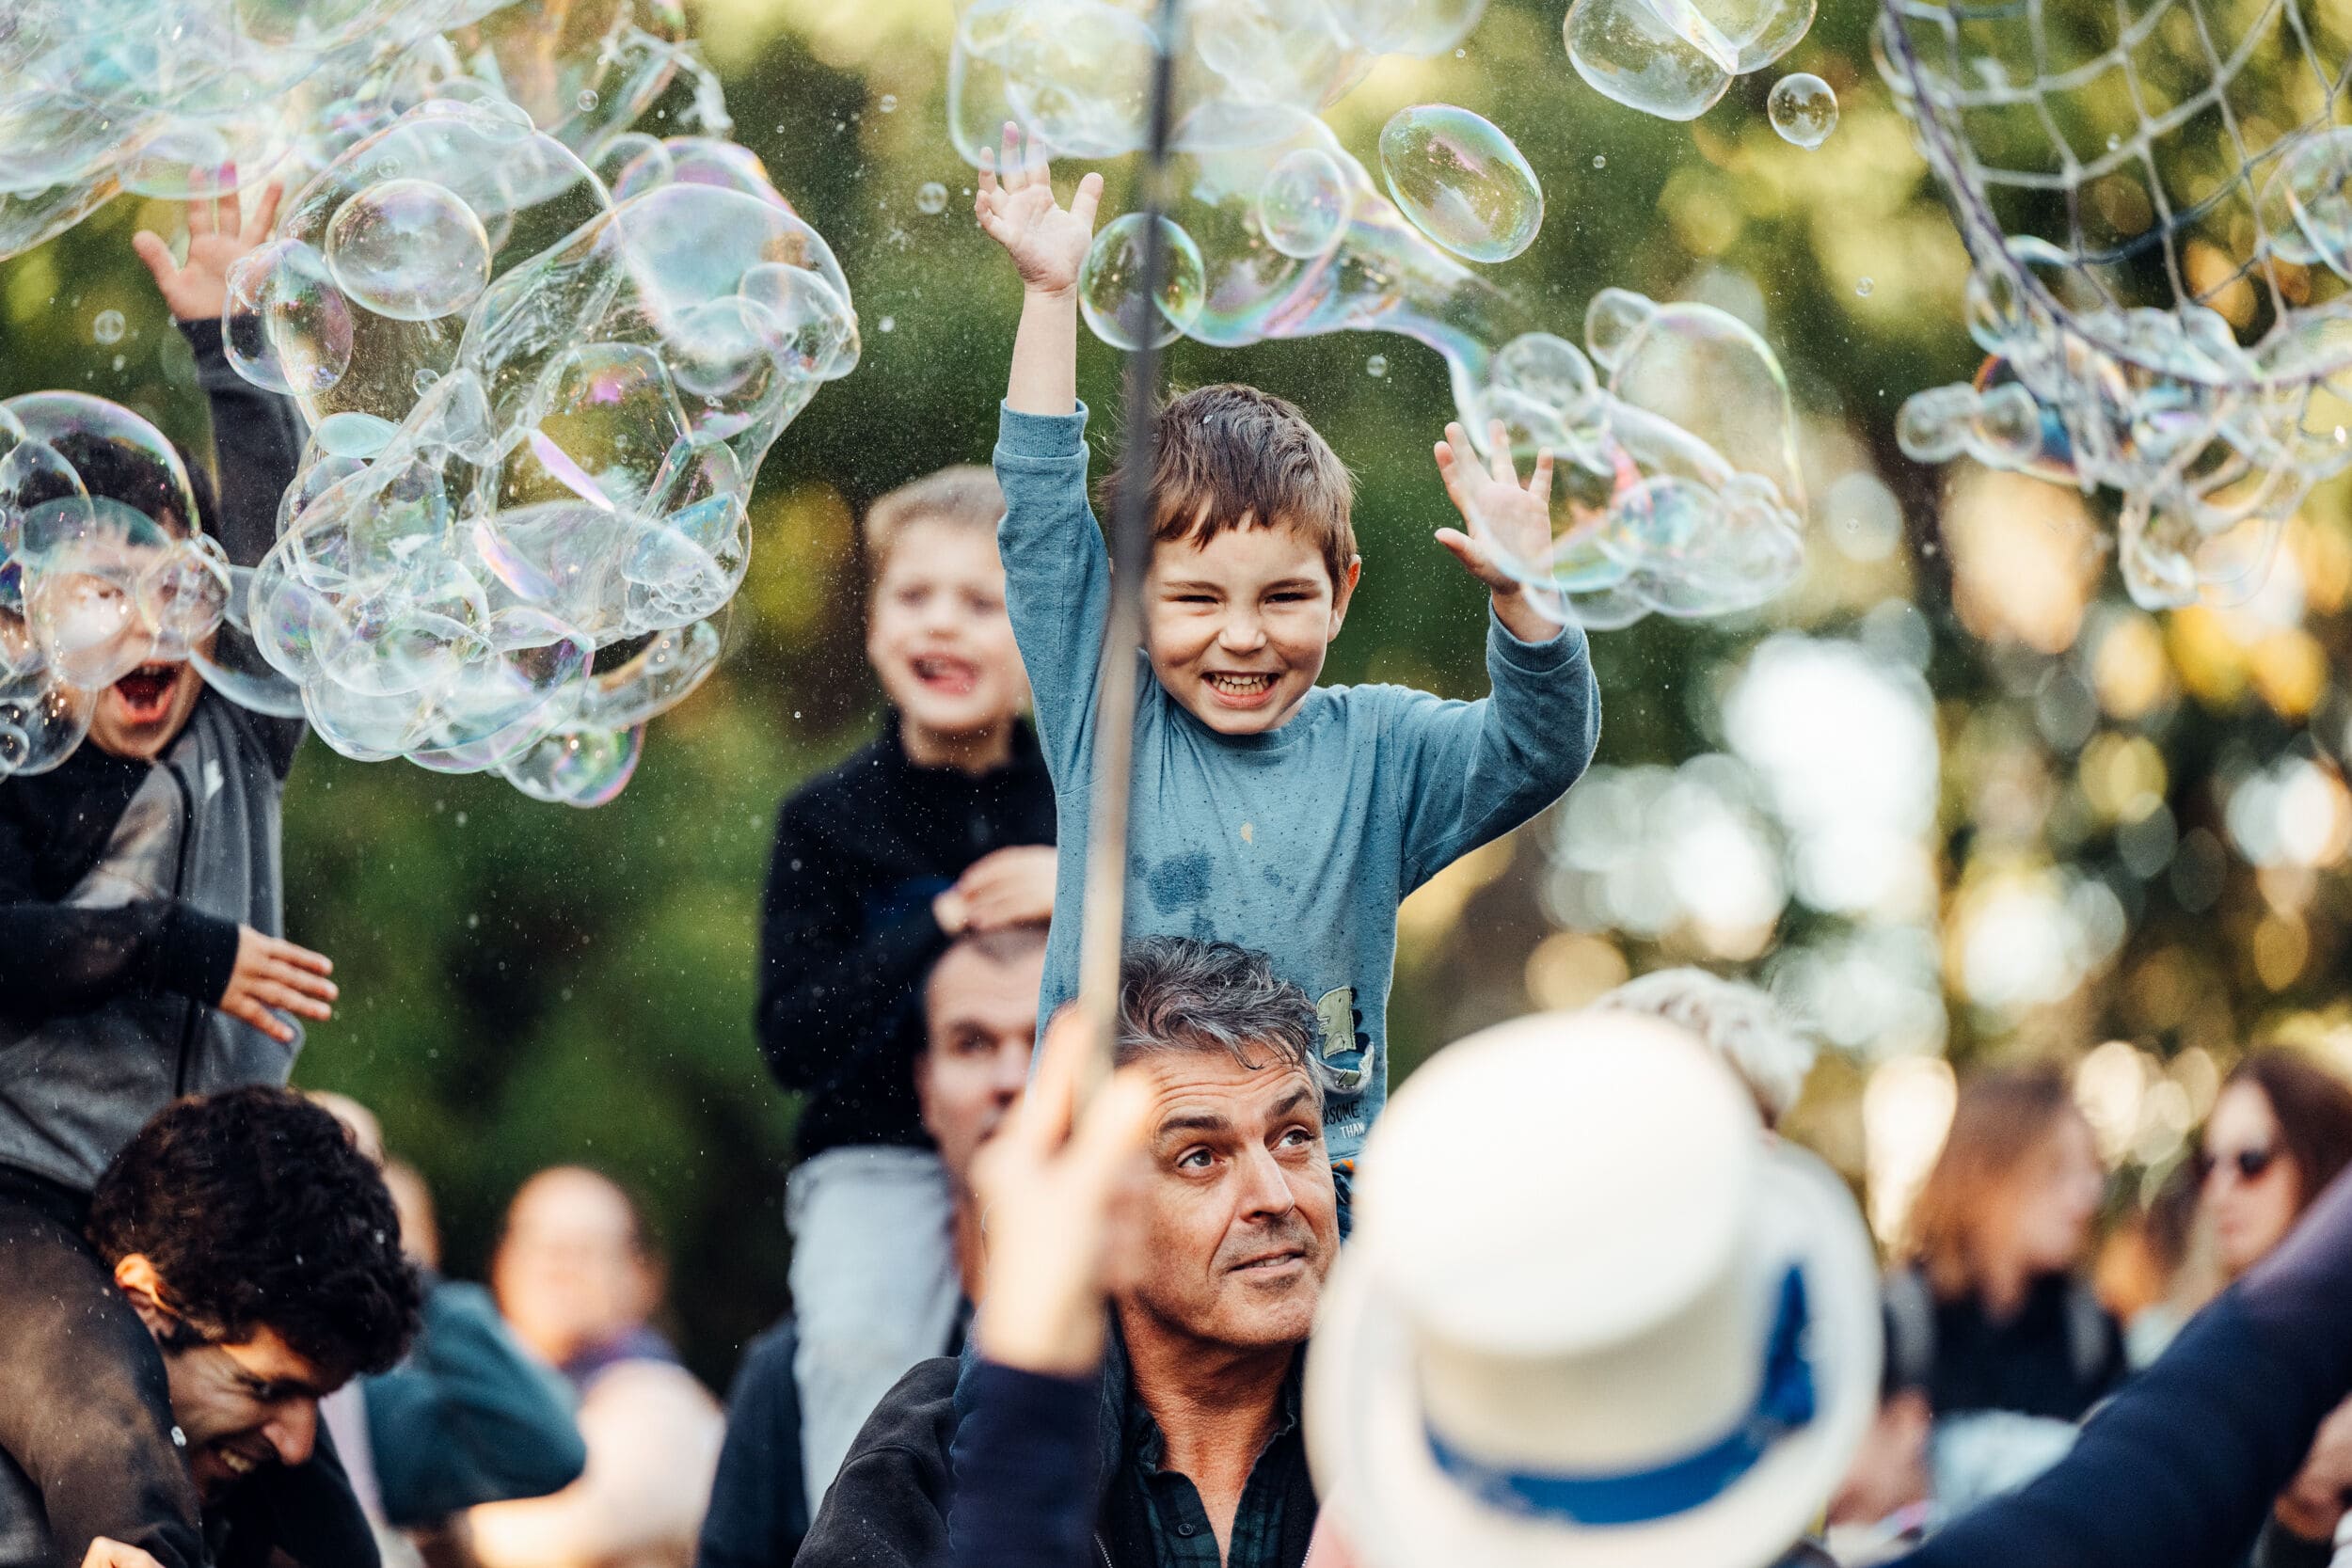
219,236
1517,518
1046,241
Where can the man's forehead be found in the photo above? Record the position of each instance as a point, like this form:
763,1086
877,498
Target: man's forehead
967,984
1189,1083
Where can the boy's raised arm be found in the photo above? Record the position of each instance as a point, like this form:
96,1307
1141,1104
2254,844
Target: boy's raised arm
1048,243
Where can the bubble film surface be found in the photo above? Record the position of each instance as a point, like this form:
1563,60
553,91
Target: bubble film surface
1461,182
1665,503
1674,58
175,98
2160,270
1802,108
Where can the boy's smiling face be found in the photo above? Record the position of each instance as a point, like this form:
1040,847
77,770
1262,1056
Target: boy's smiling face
939,637
1237,627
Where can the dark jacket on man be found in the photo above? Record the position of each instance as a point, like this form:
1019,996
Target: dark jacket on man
847,932
889,1506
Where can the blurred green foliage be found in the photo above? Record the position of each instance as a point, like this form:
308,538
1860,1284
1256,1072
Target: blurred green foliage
526,984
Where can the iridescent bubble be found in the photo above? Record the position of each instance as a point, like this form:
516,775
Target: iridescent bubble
1611,319
1863,287
1406,26
107,328
1286,52
42,722
931,198
409,250
1110,284
1460,181
1802,109
578,766
1378,366
286,327
1627,52
889,103
1303,206
1933,426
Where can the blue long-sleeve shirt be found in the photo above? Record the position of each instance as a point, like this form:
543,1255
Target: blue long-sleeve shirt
1299,842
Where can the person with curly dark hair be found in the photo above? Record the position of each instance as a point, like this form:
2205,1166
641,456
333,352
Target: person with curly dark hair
261,1252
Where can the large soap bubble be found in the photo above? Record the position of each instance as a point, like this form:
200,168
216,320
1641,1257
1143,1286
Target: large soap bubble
408,249
521,564
1110,284
103,567
1672,59
1461,182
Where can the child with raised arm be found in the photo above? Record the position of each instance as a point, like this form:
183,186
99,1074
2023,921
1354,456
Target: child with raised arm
1268,810
141,961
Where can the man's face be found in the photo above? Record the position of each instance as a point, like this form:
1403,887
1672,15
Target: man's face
979,1024
243,1406
571,1272
939,637
239,1406
1238,627
1238,1218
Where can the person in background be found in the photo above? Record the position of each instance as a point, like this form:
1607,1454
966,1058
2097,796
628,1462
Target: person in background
2161,1265
1886,1504
944,825
1989,1312
1740,1022
2279,1133
578,1281
469,1417
979,1010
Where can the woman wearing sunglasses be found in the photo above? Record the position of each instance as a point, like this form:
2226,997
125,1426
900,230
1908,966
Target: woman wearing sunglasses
2279,1131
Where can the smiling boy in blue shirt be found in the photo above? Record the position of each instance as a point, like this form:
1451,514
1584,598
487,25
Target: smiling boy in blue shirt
1268,810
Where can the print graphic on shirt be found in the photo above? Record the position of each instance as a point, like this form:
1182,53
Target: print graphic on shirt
1344,1032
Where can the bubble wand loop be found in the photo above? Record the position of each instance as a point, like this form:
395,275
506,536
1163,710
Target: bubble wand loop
1102,933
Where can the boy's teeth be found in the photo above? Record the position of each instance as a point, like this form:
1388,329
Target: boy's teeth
1240,685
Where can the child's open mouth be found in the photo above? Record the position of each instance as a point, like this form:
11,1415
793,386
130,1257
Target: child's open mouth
1241,690
952,677
144,693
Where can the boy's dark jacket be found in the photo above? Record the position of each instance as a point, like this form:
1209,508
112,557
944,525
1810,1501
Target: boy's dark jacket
847,932
122,883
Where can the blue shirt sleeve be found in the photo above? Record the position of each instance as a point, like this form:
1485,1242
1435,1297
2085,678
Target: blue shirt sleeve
1465,773
1026,1471
1057,578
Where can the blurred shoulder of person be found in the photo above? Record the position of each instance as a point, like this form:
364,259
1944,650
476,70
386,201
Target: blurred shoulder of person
579,1282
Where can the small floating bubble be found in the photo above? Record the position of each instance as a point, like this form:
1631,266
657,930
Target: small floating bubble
586,101
931,198
1377,366
1601,160
1863,287
107,328
1804,109
888,103
888,323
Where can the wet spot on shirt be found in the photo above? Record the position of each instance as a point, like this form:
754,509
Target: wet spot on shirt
1180,881
1249,832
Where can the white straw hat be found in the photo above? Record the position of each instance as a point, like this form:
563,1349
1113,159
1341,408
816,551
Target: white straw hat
1590,1314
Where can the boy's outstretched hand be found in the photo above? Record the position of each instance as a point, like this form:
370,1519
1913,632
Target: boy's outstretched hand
1517,518
1046,241
220,235
273,972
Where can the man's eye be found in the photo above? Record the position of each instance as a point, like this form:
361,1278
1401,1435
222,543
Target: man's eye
1194,1159
1298,1137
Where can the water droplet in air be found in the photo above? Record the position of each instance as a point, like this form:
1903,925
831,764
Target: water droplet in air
107,328
931,198
1377,366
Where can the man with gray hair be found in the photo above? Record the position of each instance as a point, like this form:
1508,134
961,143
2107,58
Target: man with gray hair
1236,1223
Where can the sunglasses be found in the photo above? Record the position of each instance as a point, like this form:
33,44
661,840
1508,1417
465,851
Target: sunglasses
2250,1164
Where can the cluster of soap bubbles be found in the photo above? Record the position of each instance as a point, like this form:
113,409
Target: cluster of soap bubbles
103,567
2163,253
1679,491
1674,59
537,406
175,98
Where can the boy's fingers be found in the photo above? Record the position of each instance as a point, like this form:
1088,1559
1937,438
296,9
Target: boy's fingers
227,211
151,249
265,216
1009,159
1088,196
1499,442
1539,483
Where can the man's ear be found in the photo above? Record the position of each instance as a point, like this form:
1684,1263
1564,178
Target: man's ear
1345,595
137,1278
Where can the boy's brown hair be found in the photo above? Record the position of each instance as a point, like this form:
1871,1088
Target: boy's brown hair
965,495
1230,456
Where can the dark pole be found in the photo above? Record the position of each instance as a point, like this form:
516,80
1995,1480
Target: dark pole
1105,922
